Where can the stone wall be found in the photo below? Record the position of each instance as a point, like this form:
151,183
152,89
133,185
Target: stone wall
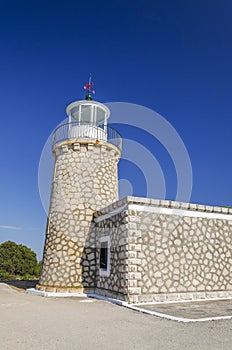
114,285
171,250
85,179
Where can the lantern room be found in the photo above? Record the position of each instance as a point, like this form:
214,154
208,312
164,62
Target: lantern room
88,112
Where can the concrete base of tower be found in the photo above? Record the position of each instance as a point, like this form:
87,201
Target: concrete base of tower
68,290
57,289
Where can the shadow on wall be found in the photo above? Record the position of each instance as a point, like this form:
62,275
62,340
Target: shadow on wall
104,264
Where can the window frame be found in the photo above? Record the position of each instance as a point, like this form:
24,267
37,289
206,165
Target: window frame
102,271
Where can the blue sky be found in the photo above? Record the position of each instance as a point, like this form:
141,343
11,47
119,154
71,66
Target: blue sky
171,56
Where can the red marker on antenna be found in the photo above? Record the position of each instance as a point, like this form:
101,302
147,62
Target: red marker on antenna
89,88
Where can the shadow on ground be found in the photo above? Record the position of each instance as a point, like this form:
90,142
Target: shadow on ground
21,284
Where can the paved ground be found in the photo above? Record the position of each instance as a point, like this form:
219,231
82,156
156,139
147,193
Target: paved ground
31,322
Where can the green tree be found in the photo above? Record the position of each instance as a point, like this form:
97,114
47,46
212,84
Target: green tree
38,269
17,259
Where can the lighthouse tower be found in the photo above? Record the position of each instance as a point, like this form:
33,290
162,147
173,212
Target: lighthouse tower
85,179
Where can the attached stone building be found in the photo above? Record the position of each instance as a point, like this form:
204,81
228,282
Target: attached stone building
162,250
134,249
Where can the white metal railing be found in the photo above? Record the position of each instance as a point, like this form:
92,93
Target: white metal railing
75,130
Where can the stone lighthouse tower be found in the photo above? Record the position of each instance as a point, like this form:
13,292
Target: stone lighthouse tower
85,179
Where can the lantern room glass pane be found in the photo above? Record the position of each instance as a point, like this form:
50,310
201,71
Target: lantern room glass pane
75,113
86,114
100,115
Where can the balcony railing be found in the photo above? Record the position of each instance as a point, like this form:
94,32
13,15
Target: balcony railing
75,130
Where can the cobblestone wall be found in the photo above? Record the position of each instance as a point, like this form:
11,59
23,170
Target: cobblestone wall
85,179
173,250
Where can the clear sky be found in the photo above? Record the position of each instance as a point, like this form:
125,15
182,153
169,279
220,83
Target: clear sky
171,56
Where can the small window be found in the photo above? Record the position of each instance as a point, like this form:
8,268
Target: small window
104,256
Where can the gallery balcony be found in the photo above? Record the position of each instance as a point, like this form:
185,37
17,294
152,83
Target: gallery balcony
88,132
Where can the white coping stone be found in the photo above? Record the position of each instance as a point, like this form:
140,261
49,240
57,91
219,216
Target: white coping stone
181,212
111,213
161,203
166,211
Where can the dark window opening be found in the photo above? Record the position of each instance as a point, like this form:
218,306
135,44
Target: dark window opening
103,255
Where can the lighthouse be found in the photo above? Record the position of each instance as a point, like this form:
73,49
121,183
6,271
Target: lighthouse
138,250
85,178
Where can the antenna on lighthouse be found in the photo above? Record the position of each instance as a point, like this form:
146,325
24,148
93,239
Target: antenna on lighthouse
89,88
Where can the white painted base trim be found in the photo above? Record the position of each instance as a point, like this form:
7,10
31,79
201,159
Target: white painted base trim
42,293
178,319
136,307
108,299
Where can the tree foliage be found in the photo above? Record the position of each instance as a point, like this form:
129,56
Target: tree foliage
17,259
